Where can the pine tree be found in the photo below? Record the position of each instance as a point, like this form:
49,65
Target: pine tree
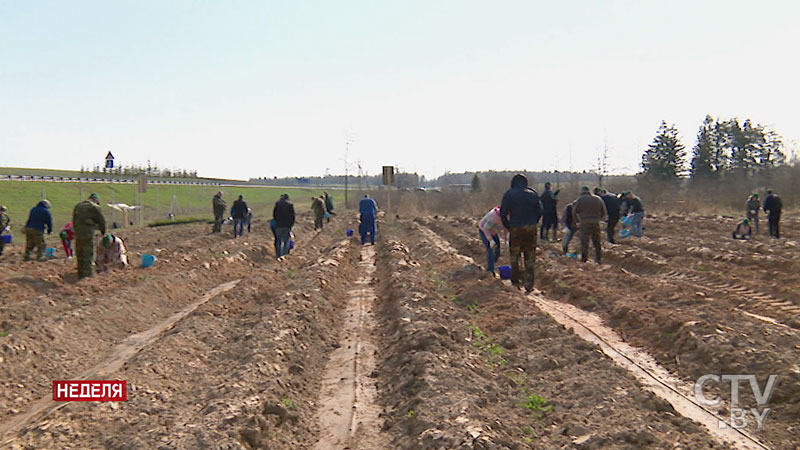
476,183
704,164
663,160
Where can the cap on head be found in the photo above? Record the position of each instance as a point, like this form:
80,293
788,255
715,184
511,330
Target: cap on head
755,196
106,241
3,208
547,184
584,188
746,221
94,197
285,195
46,203
240,197
769,191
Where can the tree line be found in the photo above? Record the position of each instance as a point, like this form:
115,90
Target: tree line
729,158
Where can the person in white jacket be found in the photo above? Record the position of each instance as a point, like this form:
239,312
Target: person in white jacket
111,253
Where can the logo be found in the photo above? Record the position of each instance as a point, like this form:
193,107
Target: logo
90,391
739,415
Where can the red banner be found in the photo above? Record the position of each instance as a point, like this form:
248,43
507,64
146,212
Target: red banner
90,391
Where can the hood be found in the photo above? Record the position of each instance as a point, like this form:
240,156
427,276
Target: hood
44,204
519,181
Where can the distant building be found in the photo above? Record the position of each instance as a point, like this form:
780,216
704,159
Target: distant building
109,161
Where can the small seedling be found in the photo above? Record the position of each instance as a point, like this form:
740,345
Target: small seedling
456,300
561,284
536,403
290,273
527,431
4,334
287,402
410,413
474,309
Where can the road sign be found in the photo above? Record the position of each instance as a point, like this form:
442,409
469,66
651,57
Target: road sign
388,175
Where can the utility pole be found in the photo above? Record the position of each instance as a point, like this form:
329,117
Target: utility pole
346,148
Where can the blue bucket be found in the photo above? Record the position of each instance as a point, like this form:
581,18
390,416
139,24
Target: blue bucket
624,234
505,272
148,260
349,233
573,255
50,253
6,238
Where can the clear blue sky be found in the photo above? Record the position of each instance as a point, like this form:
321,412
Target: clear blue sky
260,88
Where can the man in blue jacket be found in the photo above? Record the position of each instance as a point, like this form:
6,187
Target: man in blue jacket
368,209
39,219
520,211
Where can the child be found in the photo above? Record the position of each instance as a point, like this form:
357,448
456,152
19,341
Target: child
67,235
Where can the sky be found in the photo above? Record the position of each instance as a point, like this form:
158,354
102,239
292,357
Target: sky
260,88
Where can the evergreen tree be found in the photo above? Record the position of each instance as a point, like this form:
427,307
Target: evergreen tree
663,160
704,163
476,183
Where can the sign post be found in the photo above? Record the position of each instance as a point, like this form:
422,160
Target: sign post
388,181
141,188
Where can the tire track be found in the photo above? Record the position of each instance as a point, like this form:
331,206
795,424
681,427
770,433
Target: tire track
349,413
753,301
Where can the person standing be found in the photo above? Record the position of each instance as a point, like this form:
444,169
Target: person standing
239,214
520,211
570,227
67,235
329,206
87,217
283,214
589,210
549,211
613,203
318,208
633,204
219,206
752,206
368,210
4,221
491,226
773,206
39,220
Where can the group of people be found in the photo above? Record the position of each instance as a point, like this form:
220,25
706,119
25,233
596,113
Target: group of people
240,213
517,219
773,206
87,218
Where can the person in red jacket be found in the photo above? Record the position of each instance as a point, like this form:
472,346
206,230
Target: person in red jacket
67,235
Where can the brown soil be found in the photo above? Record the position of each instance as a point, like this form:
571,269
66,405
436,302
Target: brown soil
697,310
460,359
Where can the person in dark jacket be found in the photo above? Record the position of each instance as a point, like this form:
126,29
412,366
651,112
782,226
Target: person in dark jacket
39,220
632,203
239,214
4,221
329,206
589,211
368,210
283,214
549,211
520,211
570,227
318,208
743,230
219,205
752,206
613,203
773,206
